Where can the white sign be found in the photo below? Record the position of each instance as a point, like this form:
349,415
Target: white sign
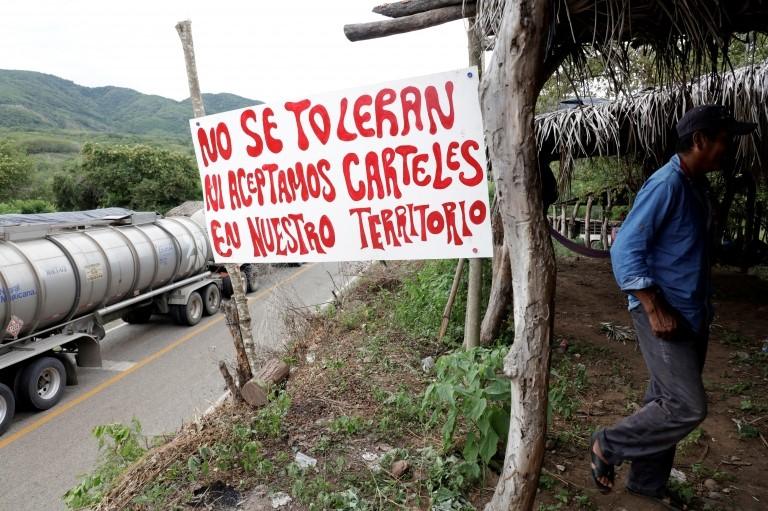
394,171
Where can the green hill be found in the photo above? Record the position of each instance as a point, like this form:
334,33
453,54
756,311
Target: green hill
38,101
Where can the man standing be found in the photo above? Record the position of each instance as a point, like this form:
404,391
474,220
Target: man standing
661,260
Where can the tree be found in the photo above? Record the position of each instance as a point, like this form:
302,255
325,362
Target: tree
137,177
15,171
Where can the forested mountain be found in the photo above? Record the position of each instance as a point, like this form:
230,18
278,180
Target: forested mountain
38,101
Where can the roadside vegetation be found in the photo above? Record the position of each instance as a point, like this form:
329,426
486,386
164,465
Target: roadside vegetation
366,421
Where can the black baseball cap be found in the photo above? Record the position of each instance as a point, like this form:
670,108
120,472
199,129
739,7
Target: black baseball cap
714,117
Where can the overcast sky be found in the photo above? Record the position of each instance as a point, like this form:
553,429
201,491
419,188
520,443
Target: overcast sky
266,50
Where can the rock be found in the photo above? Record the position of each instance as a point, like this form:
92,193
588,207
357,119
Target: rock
735,458
427,364
577,356
280,499
257,500
549,445
372,461
560,468
711,485
678,476
741,355
714,495
726,490
399,468
304,461
310,358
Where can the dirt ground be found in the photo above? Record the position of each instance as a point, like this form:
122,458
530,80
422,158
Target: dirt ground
728,452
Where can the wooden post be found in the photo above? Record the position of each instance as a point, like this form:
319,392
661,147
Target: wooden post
244,372
509,92
606,216
500,299
451,299
475,283
572,234
563,229
588,222
184,28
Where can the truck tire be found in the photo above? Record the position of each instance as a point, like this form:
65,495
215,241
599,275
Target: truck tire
7,407
42,383
138,316
251,279
191,313
211,299
226,287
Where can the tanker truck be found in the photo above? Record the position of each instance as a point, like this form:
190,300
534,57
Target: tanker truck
63,276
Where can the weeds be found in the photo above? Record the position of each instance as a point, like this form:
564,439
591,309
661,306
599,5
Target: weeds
469,384
568,381
119,446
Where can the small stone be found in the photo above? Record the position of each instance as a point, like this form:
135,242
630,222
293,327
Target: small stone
714,495
678,476
735,458
370,456
711,485
726,490
310,358
577,356
399,468
427,364
742,355
549,445
304,461
280,499
560,468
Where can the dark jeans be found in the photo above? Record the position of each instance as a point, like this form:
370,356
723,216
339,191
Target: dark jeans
675,403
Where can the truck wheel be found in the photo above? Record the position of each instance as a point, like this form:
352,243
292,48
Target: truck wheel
249,275
139,315
7,407
211,299
42,383
226,287
191,313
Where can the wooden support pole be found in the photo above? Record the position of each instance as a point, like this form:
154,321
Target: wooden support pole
475,283
510,89
588,223
184,29
244,372
563,229
451,298
375,29
606,216
572,234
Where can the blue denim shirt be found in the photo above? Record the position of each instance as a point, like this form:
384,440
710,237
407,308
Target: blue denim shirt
663,243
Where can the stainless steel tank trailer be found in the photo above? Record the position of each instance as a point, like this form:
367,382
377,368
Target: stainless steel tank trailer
63,276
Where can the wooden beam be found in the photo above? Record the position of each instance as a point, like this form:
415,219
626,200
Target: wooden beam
408,7
376,29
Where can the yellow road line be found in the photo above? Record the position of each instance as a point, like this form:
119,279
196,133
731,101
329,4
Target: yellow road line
63,408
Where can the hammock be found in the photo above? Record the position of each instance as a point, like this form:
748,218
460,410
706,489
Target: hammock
577,247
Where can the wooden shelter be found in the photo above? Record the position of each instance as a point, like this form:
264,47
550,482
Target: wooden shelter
531,39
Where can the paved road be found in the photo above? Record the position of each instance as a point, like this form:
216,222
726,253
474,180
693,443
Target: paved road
162,374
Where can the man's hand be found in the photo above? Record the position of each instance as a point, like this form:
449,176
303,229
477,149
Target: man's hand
662,317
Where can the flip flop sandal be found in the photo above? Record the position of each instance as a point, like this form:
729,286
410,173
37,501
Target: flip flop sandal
600,468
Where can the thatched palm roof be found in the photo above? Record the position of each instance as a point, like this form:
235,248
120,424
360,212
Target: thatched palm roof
643,124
